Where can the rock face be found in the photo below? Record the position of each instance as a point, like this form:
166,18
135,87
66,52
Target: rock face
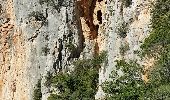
34,38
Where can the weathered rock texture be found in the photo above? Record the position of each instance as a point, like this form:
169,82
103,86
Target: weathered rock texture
31,46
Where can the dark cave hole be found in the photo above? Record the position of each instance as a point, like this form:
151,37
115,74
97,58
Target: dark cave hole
99,16
97,28
100,0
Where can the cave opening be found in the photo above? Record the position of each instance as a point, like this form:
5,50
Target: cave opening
86,9
100,0
99,16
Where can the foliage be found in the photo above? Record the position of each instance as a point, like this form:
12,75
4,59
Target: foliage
127,3
56,4
102,57
38,17
158,46
45,50
81,84
122,30
37,92
130,85
159,38
48,79
71,47
124,48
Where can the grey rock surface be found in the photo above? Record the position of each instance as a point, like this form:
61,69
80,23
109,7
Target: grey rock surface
34,39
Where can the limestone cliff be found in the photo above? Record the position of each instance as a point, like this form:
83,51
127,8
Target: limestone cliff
34,38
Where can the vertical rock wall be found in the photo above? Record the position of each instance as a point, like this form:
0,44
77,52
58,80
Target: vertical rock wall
31,46
125,27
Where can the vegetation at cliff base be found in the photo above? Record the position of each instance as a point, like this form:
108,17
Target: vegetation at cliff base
81,84
131,86
128,86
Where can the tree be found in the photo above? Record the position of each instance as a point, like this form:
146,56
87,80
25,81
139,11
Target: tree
131,86
81,84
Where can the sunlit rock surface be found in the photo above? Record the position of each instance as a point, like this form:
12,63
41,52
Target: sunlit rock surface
31,47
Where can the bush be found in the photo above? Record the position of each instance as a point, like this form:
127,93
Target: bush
48,79
38,17
125,87
124,48
127,3
157,44
159,38
56,4
37,95
122,30
45,50
71,47
131,86
81,84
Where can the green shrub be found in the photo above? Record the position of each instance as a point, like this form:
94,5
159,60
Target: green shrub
127,86
48,79
45,50
102,57
157,44
124,48
81,84
71,47
56,4
122,30
159,38
37,95
127,3
130,85
38,17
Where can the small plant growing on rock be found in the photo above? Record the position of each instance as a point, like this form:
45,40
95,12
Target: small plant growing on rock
122,30
127,3
37,95
56,4
71,47
45,50
124,48
38,17
48,78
